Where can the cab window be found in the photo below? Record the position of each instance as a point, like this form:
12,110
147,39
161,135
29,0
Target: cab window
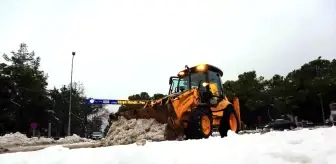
197,79
215,84
174,84
182,85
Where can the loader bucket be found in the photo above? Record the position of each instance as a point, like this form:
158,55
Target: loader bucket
162,113
159,113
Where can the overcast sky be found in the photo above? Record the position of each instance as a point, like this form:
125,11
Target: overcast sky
128,46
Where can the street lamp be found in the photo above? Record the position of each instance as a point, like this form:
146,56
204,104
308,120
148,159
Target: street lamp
322,109
69,122
318,73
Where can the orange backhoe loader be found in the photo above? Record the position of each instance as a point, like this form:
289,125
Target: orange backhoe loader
196,105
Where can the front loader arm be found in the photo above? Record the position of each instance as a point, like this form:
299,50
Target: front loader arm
184,103
177,107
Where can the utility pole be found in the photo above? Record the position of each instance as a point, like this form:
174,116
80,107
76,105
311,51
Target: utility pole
317,68
69,122
322,109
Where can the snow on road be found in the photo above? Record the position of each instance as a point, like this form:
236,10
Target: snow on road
316,146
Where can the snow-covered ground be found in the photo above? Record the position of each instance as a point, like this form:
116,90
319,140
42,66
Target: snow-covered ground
316,146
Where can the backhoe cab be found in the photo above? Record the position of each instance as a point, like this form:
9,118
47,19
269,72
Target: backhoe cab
198,104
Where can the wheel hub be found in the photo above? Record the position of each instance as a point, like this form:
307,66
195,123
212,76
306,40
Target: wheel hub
205,123
233,122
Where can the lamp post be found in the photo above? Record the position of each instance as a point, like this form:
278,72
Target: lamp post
318,69
69,122
322,109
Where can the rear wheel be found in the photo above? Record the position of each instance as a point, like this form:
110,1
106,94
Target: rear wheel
199,124
228,122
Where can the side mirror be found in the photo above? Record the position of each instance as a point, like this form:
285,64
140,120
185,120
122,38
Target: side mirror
170,80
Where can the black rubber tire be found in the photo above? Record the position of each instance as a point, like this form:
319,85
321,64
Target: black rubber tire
224,126
194,129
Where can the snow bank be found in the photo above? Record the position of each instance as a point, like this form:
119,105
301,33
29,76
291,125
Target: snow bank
125,131
73,139
18,139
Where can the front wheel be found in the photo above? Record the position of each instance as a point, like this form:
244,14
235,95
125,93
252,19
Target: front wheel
228,122
199,124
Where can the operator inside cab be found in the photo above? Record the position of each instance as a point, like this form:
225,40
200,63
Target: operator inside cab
212,87
183,86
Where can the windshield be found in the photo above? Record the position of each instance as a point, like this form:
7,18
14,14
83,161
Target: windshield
196,79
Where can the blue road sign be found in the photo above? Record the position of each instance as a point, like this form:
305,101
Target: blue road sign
111,101
100,101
